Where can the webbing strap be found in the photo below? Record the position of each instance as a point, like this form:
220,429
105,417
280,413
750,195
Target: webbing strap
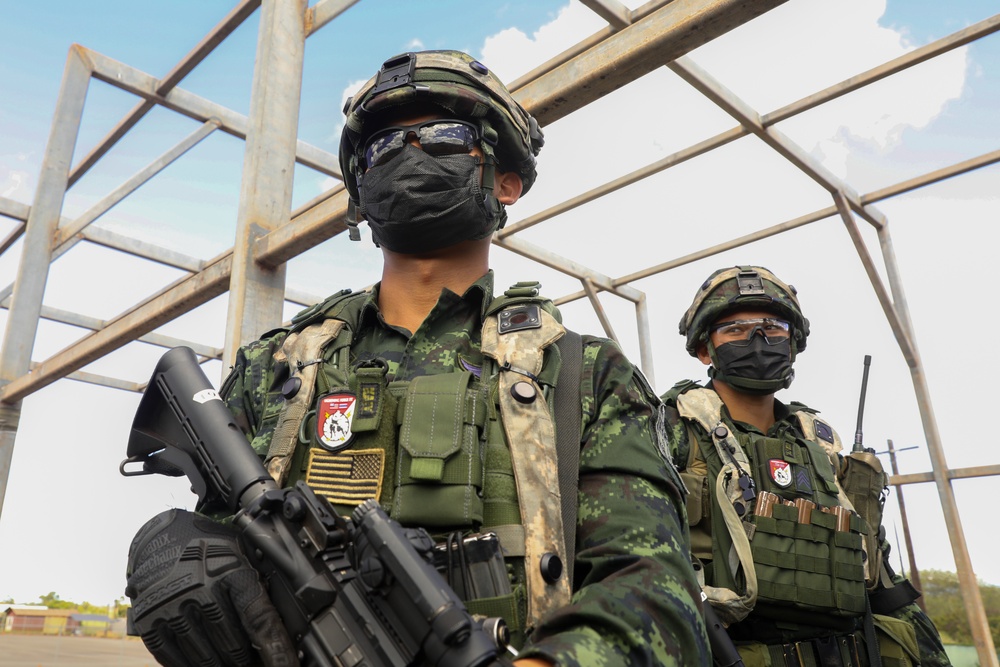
705,407
303,352
531,436
568,414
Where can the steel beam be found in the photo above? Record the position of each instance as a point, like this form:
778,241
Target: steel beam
33,269
325,11
951,473
900,327
726,100
188,104
181,297
615,13
932,177
215,36
609,330
256,291
884,70
635,51
971,598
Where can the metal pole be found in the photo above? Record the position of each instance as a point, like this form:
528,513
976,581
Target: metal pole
33,270
256,292
645,339
971,597
914,572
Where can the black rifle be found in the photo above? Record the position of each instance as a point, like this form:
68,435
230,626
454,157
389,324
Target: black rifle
383,605
724,651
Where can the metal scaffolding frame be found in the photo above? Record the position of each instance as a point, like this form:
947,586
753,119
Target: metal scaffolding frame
269,233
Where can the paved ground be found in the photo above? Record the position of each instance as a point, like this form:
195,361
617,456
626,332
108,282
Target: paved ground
33,651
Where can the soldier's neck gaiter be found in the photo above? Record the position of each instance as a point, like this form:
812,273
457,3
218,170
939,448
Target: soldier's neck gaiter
419,203
757,367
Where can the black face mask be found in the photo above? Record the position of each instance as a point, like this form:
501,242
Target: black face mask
755,367
418,203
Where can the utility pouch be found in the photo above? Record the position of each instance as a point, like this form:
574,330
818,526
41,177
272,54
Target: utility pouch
805,564
439,475
864,482
897,642
473,566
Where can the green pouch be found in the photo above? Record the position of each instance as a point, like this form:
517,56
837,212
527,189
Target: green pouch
897,642
808,567
439,475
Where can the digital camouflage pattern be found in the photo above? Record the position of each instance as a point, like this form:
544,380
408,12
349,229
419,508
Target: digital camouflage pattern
635,600
459,86
720,294
688,457
932,653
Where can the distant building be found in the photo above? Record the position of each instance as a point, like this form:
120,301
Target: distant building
35,620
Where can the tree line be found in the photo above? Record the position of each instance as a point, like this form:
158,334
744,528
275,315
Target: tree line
53,601
943,599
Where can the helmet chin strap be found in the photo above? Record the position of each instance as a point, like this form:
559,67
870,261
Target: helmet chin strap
496,209
746,385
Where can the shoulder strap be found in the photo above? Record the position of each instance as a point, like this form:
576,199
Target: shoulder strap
303,351
569,414
704,407
518,345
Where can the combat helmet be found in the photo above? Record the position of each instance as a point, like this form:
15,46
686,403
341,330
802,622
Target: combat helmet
742,288
460,86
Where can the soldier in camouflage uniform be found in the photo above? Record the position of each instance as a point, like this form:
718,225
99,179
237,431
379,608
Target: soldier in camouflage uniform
422,391
785,526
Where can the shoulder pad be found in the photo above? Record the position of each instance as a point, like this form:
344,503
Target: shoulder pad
317,310
273,332
795,406
678,389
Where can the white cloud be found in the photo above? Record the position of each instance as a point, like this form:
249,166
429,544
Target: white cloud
15,184
511,53
802,47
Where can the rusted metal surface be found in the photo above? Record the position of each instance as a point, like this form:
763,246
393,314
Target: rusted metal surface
635,51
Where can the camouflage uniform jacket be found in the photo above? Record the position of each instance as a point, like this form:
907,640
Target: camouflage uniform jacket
689,458
635,598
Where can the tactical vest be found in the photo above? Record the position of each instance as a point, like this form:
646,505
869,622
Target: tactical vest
783,545
434,450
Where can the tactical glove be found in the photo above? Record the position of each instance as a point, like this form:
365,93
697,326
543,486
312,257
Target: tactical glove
196,600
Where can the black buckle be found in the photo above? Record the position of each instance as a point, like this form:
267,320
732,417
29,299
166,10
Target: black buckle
396,71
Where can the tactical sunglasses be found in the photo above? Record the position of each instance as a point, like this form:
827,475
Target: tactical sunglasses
744,330
436,137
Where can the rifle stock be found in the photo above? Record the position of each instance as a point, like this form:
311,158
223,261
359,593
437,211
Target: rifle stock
383,605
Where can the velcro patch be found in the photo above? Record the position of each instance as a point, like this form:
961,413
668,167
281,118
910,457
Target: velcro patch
823,430
781,472
348,477
334,414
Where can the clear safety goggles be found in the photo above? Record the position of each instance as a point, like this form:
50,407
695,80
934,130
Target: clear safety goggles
436,137
742,331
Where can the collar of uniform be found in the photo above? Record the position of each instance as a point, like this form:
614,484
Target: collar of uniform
480,292
782,420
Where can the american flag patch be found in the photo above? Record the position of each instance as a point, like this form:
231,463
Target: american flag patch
347,477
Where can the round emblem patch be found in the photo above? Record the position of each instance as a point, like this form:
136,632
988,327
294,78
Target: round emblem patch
781,472
334,415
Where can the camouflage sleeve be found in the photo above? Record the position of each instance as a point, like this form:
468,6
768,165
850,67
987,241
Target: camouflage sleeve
638,602
678,443
249,391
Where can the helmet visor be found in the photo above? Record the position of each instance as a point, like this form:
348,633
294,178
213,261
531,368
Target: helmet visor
436,137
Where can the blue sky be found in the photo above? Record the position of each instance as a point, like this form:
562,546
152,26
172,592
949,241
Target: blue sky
73,435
